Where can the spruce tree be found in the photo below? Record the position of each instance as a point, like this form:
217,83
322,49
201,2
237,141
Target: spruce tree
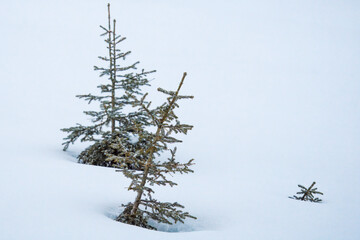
307,194
111,120
154,171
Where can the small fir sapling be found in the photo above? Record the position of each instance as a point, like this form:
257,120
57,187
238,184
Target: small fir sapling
307,194
154,172
111,121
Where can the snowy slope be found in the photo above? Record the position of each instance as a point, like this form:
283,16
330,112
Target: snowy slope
276,104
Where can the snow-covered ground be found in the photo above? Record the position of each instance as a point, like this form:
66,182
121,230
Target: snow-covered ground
277,102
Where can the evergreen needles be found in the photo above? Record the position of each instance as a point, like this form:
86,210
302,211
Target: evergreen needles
307,194
153,171
111,121
132,141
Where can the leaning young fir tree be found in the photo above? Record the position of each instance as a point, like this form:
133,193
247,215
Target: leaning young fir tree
153,171
111,121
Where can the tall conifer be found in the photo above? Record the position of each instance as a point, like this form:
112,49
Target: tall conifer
111,120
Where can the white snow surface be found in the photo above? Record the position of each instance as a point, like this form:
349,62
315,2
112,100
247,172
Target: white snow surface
276,87
133,138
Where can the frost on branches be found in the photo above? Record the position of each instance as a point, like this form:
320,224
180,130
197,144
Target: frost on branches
153,171
111,121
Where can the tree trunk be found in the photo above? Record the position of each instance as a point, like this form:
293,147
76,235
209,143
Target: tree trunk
111,68
113,80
